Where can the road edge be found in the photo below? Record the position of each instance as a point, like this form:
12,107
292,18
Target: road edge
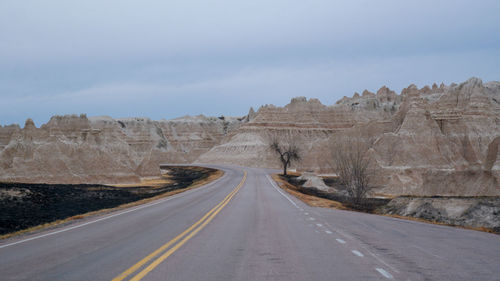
332,204
67,221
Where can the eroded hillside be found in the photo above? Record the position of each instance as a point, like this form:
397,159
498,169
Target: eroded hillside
77,149
439,140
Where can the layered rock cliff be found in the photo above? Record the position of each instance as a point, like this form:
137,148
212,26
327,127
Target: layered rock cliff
309,123
429,141
443,142
77,149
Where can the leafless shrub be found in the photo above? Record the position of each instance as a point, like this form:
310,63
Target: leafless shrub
353,168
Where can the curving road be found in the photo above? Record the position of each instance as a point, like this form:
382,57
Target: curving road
242,227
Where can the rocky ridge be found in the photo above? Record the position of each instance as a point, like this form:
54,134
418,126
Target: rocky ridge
77,149
438,140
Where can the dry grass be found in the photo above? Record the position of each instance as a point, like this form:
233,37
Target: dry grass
314,201
156,182
214,176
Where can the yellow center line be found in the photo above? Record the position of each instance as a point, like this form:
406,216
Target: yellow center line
203,221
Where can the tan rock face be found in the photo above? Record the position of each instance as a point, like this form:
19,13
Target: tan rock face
443,142
430,141
77,149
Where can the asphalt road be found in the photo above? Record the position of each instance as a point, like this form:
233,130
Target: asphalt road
242,227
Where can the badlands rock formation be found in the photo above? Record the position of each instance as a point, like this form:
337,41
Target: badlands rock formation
77,149
439,140
430,141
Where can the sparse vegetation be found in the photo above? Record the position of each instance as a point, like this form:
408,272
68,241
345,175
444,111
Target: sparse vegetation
338,201
353,169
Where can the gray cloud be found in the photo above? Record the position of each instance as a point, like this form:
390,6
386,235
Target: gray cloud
164,59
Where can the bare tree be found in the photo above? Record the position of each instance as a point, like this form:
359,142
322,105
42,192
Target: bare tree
286,148
353,168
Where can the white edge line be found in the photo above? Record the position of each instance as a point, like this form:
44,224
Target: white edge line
275,187
384,273
108,217
340,241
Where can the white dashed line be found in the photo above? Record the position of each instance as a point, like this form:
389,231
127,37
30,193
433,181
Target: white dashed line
339,231
384,273
357,253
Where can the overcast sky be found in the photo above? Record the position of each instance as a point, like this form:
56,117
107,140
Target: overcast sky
166,59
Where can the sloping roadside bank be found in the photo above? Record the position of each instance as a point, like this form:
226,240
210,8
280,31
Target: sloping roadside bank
31,207
480,213
477,213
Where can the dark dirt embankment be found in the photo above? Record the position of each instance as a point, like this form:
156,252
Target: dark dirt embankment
475,212
26,205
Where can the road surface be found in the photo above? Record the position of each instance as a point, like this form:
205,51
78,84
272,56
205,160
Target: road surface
242,227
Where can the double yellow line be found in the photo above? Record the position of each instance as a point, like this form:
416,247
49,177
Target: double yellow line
197,226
